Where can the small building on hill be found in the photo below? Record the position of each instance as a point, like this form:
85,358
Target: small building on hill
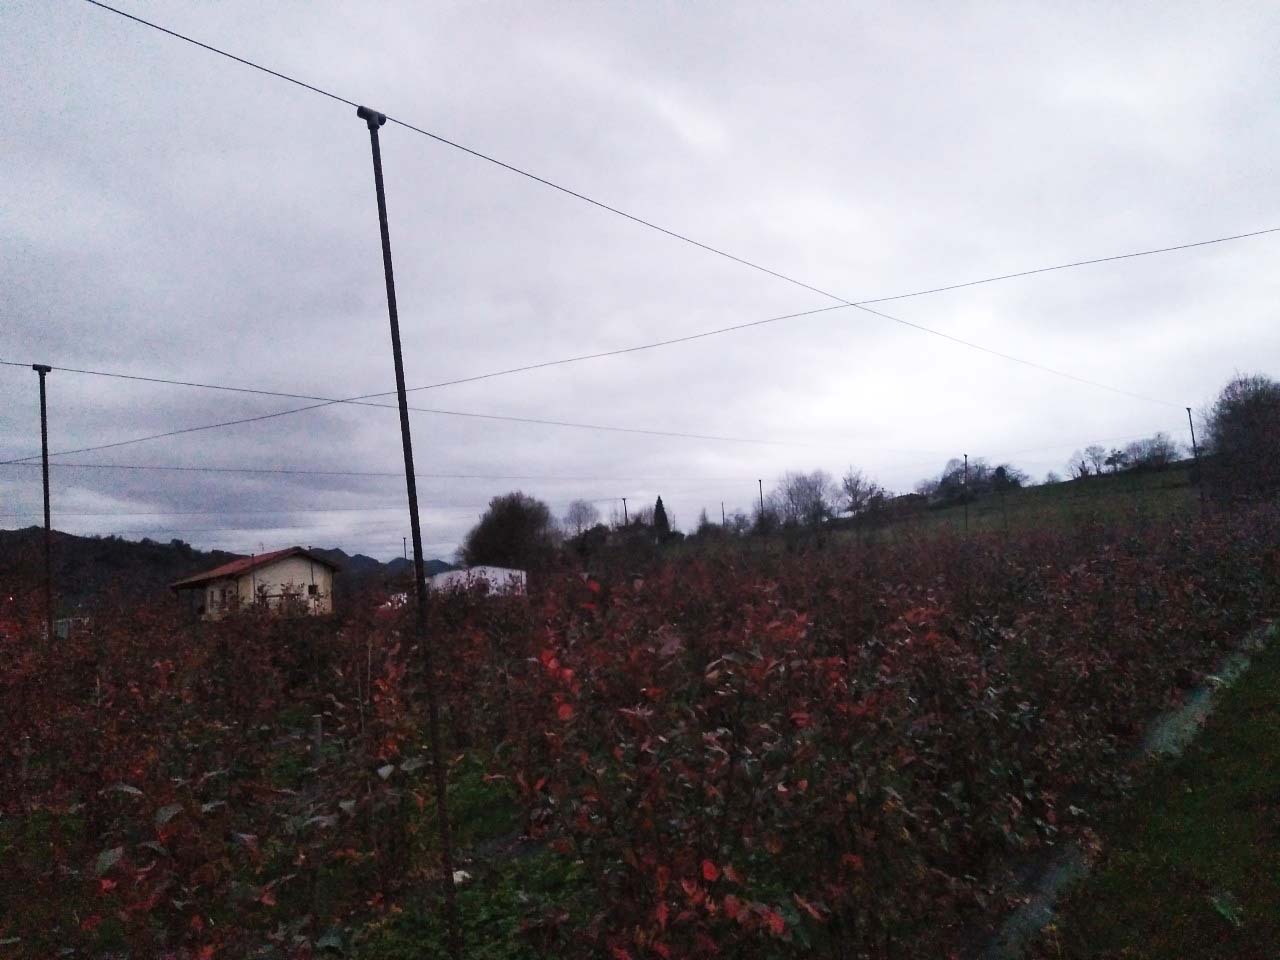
292,582
491,580
487,581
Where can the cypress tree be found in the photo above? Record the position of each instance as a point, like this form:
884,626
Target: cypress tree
661,526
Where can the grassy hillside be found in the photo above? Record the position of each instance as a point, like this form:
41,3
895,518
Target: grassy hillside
1109,498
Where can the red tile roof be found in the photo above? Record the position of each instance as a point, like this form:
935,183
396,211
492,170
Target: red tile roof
236,567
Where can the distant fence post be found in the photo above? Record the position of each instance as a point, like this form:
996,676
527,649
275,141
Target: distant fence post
43,370
1195,453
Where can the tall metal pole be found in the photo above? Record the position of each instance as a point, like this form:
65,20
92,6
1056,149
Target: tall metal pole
625,520
1195,452
722,513
966,493
404,542
760,484
374,120
43,371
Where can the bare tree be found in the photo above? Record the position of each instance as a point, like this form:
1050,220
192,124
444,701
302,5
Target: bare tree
806,499
1097,457
1155,451
581,515
860,492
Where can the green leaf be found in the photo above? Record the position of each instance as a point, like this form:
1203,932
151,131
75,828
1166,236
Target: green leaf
332,940
108,859
1228,907
167,813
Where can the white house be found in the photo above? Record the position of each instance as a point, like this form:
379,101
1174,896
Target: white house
290,582
495,580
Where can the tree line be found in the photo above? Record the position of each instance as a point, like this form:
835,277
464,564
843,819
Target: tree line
1240,452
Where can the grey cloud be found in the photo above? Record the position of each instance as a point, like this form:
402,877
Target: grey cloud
170,213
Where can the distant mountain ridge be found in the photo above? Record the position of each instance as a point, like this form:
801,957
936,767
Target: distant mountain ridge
402,567
89,569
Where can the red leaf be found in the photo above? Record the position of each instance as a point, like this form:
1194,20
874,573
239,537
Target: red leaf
777,926
710,872
662,913
565,711
732,906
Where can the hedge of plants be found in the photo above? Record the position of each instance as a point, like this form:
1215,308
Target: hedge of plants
845,751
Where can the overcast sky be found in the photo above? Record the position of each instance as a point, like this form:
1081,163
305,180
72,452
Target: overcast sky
166,212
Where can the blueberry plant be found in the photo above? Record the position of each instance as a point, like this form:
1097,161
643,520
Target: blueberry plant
843,752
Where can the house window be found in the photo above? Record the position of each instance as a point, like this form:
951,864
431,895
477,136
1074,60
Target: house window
313,590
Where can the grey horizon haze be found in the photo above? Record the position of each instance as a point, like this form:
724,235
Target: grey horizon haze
169,213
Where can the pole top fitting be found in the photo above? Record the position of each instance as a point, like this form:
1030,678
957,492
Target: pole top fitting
371,117
41,368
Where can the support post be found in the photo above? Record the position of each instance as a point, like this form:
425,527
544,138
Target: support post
966,494
374,120
722,524
1195,452
43,371
625,520
760,484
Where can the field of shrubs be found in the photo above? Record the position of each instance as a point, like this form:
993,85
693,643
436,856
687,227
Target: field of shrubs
836,750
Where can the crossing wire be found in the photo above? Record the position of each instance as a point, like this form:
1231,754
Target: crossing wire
446,413
328,402
649,224
290,471
380,473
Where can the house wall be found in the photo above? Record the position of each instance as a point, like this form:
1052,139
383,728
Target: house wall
289,579
217,599
499,579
